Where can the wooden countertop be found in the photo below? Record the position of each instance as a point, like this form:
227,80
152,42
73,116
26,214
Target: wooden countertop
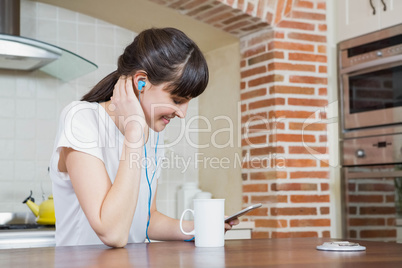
300,252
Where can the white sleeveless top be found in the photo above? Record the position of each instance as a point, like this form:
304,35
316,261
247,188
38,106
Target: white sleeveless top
88,128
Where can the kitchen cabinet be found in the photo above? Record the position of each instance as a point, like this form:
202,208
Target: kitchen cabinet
392,16
355,17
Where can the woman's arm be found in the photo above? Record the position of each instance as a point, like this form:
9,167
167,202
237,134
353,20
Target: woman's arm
109,207
162,227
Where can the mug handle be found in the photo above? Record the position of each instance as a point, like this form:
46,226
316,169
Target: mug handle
181,223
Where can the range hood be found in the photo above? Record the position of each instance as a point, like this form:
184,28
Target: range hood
25,54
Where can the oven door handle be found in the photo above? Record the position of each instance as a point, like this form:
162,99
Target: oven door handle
376,174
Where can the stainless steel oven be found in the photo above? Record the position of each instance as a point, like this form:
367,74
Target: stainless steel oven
370,86
372,187
370,69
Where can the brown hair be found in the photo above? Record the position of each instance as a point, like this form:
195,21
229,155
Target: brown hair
167,55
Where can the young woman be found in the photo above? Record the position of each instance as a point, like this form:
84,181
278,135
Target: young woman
103,192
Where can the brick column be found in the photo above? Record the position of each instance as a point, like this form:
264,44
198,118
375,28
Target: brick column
283,90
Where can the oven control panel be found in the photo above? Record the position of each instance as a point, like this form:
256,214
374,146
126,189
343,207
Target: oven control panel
373,55
372,150
382,44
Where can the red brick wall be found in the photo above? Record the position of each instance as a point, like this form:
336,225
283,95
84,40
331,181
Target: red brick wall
239,17
283,84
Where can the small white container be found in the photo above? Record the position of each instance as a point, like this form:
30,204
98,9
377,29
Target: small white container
203,195
185,197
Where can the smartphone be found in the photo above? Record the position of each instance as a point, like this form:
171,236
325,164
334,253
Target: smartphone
242,212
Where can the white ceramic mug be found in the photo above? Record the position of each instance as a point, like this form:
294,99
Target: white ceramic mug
209,222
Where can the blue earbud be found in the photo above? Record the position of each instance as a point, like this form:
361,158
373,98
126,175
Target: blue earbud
141,84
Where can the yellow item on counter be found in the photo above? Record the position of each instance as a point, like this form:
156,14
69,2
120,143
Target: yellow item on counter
44,212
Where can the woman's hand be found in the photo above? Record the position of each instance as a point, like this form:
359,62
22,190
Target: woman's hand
228,226
127,108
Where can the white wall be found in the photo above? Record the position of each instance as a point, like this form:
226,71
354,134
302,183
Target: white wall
179,163
30,103
219,170
333,124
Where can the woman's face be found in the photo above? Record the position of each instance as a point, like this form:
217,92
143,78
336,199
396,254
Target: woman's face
160,106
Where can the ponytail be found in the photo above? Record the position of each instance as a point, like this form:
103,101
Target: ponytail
102,91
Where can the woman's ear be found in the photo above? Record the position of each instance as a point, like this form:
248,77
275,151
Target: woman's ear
140,82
